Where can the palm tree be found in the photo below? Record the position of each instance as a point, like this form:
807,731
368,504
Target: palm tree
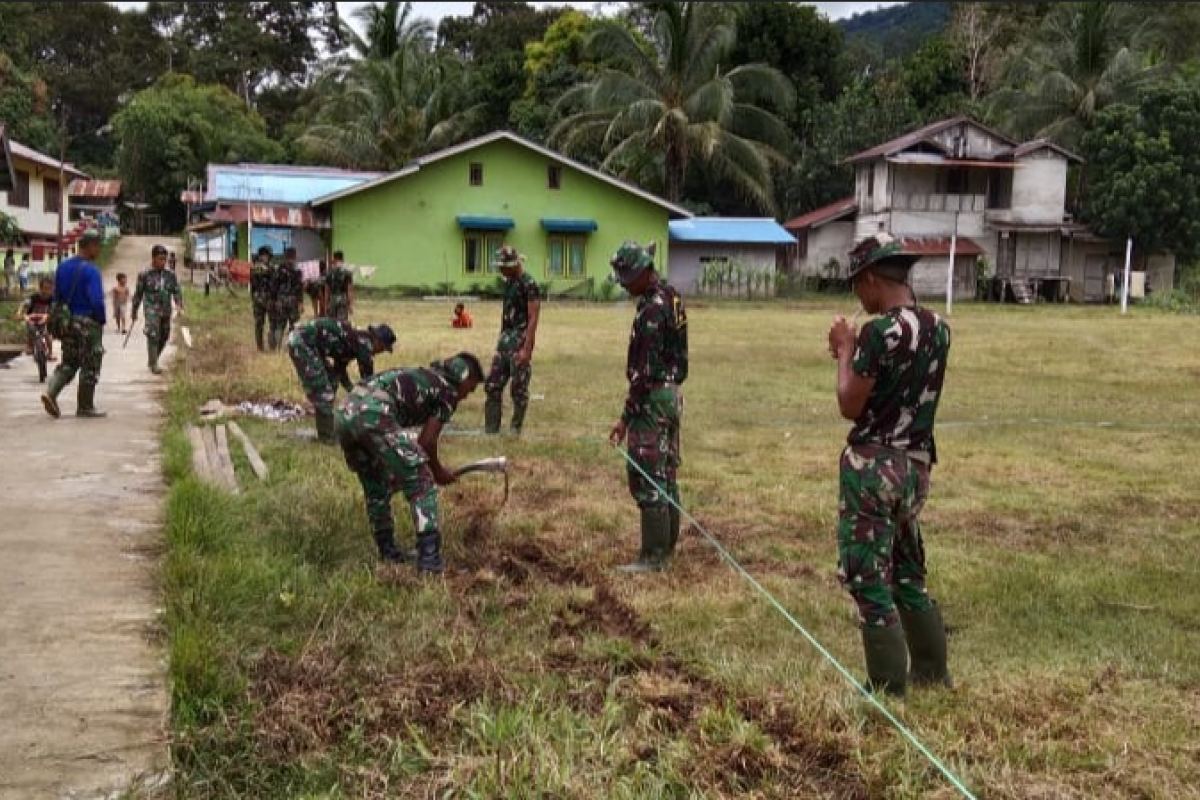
1086,57
666,106
390,28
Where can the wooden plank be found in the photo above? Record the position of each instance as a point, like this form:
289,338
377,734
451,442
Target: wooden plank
256,463
214,461
187,335
199,454
225,461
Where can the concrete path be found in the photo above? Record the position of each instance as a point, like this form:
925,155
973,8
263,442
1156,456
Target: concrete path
83,701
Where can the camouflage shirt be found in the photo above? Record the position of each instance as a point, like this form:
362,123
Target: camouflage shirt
156,287
289,282
519,292
905,351
658,348
337,341
339,280
261,278
418,394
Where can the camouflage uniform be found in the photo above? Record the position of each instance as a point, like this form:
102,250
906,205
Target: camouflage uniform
261,292
82,353
339,279
370,423
519,292
289,294
321,350
157,288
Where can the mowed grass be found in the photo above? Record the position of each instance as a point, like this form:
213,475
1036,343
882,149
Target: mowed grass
1061,536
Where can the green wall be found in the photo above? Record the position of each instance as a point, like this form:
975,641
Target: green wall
408,230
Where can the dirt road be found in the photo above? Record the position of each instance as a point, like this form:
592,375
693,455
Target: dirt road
83,698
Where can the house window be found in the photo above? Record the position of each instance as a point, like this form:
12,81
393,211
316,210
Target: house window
50,197
19,196
479,252
956,181
554,176
1000,189
566,257
476,173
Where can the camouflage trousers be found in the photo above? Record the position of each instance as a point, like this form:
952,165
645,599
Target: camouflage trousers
82,353
653,442
339,307
385,460
881,558
313,373
505,368
259,307
158,329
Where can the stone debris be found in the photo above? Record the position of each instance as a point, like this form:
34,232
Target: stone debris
274,410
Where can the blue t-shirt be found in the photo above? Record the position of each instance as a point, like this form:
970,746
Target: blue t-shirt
87,297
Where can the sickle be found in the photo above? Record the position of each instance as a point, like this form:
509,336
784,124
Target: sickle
491,465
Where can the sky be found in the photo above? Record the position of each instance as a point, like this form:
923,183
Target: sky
436,11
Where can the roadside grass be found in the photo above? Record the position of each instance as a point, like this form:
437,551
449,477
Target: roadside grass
1061,535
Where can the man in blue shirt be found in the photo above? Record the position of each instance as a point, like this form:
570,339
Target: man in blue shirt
77,283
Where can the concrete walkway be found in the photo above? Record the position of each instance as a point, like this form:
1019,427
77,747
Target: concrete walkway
83,700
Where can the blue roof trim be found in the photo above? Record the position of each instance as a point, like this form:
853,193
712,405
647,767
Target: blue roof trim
484,223
569,225
729,230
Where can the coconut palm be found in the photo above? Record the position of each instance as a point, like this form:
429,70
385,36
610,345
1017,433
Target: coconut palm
389,28
667,106
1087,56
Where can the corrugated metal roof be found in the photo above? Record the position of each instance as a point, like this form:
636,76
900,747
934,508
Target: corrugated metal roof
191,197
940,246
730,230
84,188
18,150
281,216
1034,145
269,183
829,213
911,138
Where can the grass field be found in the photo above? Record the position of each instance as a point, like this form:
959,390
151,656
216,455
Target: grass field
1062,539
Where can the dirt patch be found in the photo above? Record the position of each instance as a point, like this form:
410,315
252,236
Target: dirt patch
604,613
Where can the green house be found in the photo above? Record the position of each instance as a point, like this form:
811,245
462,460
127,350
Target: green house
440,219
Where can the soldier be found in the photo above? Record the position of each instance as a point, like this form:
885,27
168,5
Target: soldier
261,280
656,366
322,350
78,285
369,427
315,289
289,297
514,350
339,288
889,381
158,287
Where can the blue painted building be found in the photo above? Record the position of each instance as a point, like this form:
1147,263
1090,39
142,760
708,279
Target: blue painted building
748,249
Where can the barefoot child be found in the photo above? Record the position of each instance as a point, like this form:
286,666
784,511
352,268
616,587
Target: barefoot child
120,301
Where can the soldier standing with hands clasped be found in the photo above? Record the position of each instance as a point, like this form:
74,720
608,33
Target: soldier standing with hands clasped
514,351
159,288
889,382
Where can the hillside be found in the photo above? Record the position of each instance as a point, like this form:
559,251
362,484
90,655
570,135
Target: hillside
897,30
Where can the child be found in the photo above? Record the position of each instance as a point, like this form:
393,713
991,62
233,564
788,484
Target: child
120,301
462,317
23,273
34,312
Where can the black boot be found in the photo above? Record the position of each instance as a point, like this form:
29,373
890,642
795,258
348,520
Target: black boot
491,415
926,635
152,354
258,338
656,539
385,540
518,417
887,659
326,433
429,553
87,402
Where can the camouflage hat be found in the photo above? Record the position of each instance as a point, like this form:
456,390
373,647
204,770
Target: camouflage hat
630,260
458,368
91,235
882,249
507,257
384,334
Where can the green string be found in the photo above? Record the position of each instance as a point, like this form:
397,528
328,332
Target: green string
950,776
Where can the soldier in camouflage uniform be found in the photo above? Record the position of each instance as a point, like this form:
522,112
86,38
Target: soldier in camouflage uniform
889,383
78,285
315,289
159,288
289,297
514,351
339,289
261,282
322,349
656,366
370,423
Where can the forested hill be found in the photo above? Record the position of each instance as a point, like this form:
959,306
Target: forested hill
896,31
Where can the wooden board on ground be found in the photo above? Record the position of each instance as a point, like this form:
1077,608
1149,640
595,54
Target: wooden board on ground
187,335
256,463
228,477
199,454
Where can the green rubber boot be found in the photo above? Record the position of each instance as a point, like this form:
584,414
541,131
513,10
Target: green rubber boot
491,415
887,659
926,635
429,553
50,398
518,416
152,352
87,403
656,540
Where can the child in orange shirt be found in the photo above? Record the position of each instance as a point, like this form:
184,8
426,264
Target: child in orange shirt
462,317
